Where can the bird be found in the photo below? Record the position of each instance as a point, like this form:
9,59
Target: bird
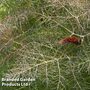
71,39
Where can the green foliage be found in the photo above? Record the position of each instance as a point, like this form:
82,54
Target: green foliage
32,49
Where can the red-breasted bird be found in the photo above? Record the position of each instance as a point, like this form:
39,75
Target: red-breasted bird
71,39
